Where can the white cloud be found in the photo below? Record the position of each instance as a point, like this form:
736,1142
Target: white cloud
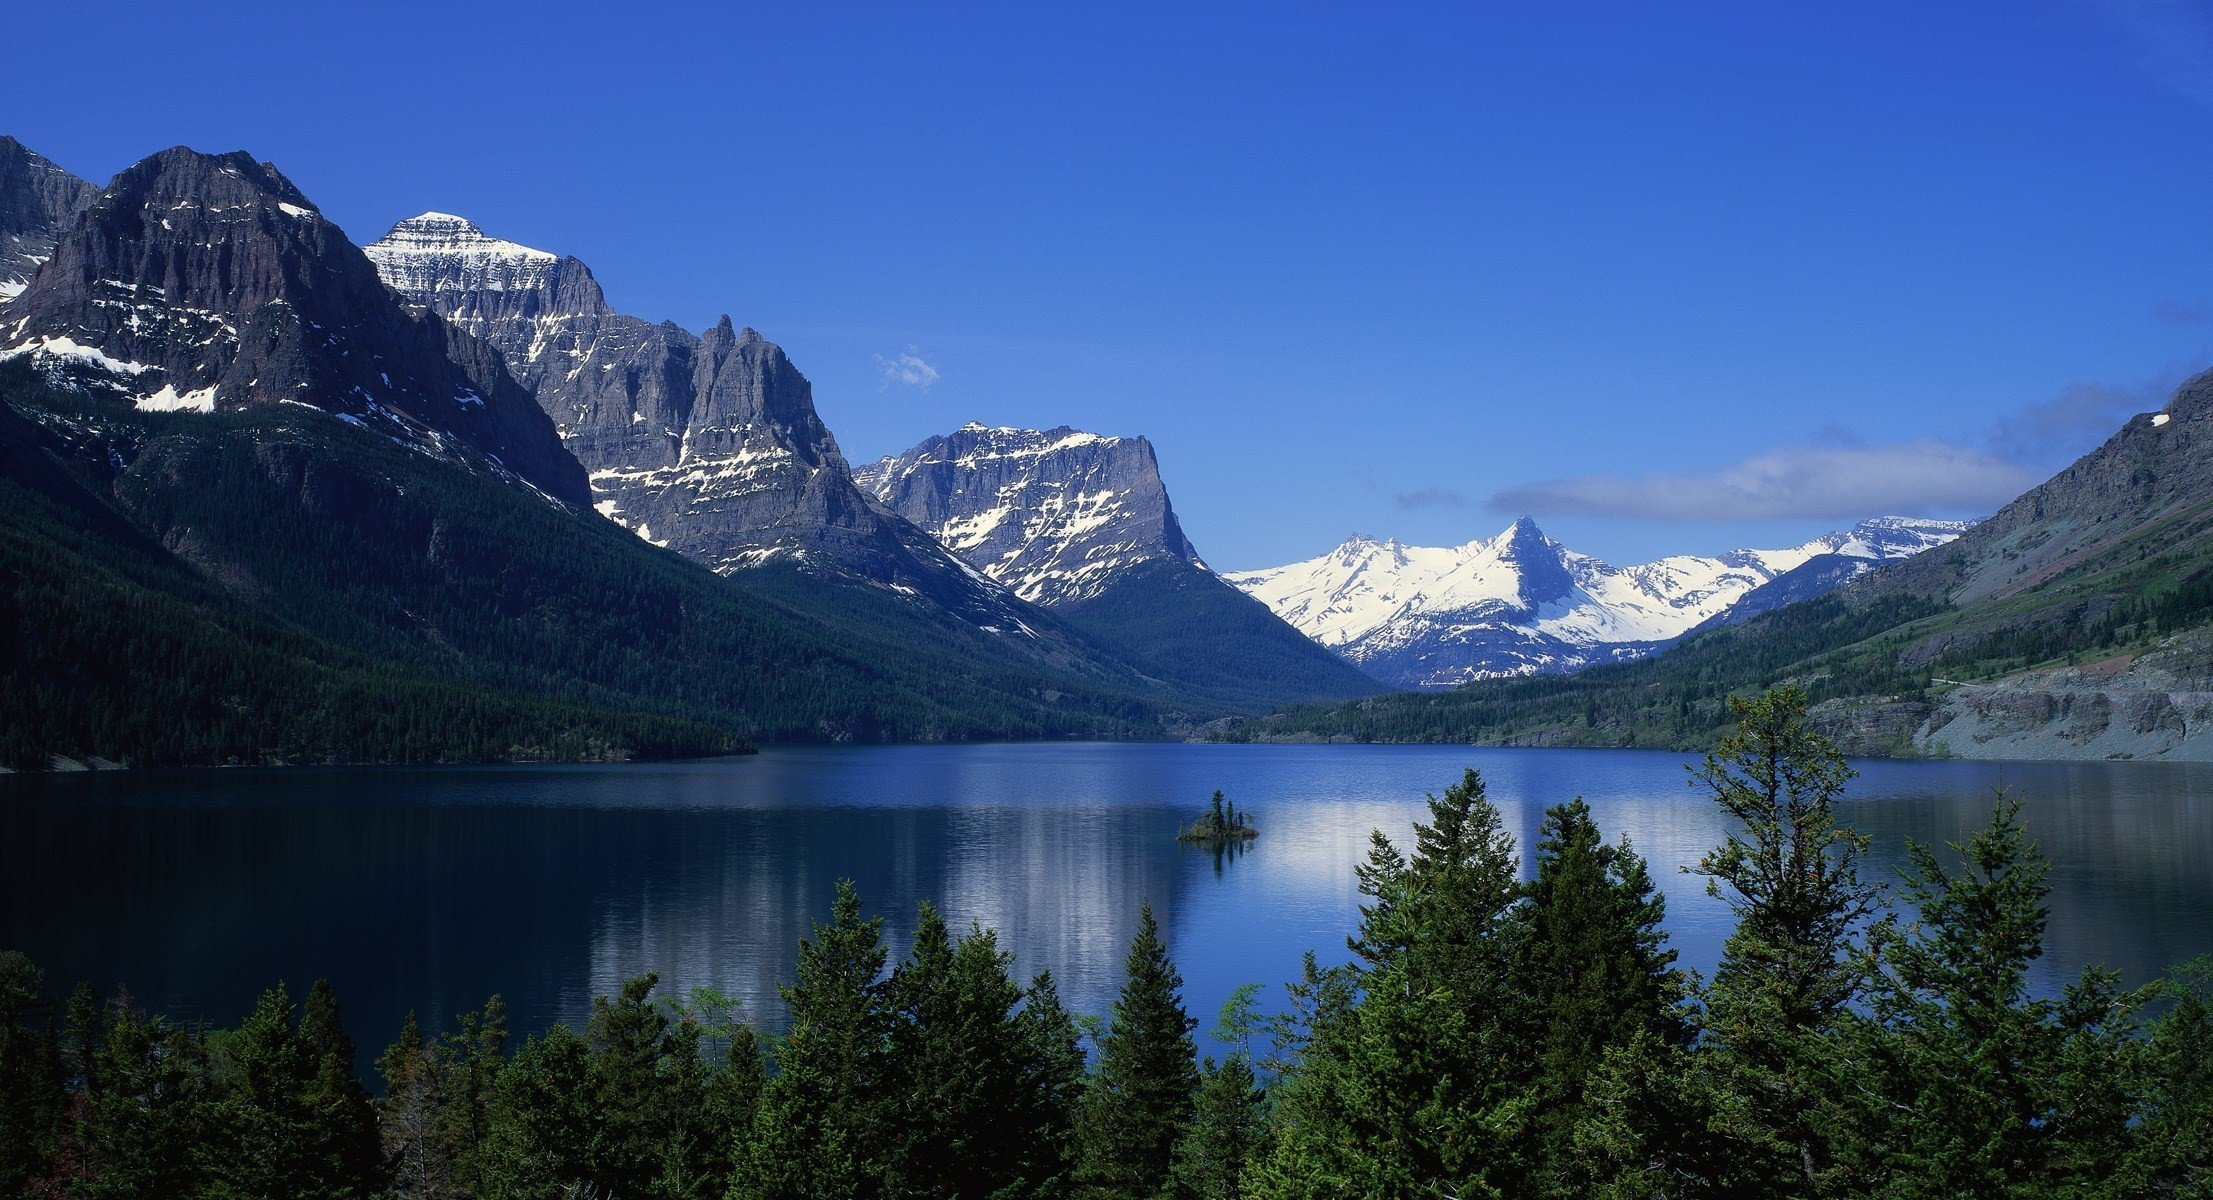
1827,482
907,370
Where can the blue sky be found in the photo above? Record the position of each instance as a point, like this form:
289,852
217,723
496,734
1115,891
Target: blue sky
1671,277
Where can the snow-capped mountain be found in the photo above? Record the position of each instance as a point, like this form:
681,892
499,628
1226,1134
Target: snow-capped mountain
707,444
1052,514
1521,603
1081,524
197,282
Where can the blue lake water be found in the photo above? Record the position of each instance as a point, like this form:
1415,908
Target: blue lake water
429,889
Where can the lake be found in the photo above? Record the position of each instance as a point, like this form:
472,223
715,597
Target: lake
431,888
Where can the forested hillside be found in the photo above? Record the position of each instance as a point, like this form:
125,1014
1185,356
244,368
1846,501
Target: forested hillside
278,585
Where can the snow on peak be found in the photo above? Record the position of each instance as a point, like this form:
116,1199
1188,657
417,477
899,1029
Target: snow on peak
1520,602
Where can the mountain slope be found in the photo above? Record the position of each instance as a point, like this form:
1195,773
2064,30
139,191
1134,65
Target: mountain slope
37,201
2074,623
1523,604
199,282
707,444
1082,525
298,538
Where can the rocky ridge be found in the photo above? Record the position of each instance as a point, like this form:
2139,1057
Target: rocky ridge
200,282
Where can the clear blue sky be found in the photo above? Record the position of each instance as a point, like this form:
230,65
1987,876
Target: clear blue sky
1673,277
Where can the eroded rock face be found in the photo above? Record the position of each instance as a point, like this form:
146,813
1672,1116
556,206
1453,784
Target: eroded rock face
1057,515
37,201
202,282
707,444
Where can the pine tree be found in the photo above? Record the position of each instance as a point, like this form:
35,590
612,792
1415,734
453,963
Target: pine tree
822,1129
627,1090
539,1122
1229,1129
2170,1151
1140,1098
1790,967
1417,1089
344,1150
263,1131
1052,1075
31,1097
147,1113
410,1118
471,1059
1973,1086
1595,967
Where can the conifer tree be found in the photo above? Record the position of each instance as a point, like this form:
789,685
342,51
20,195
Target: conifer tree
30,1076
146,1114
263,1133
627,1090
1229,1129
345,1151
471,1059
1968,1078
539,1122
411,1118
1053,1070
822,1128
1140,1098
2169,1152
1595,967
1790,967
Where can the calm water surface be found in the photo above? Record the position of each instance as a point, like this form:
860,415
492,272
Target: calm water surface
429,889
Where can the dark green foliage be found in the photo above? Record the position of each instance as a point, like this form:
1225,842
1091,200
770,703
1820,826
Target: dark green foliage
338,597
1229,1129
826,1117
1140,1099
1221,824
1596,973
1416,1088
30,1076
1191,629
1493,1037
1789,969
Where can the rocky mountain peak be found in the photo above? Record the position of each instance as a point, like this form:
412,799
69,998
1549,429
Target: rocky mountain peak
37,201
197,281
1054,514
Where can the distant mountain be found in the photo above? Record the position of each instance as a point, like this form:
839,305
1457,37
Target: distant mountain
37,201
1081,524
202,282
707,444
1521,603
2075,623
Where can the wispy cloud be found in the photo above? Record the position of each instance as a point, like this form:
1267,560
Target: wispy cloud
1429,497
907,370
1835,476
1826,482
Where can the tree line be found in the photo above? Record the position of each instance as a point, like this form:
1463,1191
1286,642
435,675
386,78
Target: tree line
1490,1035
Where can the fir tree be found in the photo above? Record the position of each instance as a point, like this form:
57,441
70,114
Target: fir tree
822,1129
2169,1152
30,1076
627,1090
1789,968
539,1122
418,1158
344,1149
1595,967
1140,1098
1229,1129
1053,1079
147,1112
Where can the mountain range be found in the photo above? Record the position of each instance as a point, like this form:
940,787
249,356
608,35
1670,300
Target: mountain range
2072,624
271,496
1521,603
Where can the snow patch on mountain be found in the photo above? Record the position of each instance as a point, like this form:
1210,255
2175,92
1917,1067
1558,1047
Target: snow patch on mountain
1521,603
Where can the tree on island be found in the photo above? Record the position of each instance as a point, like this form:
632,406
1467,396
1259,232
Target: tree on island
1222,823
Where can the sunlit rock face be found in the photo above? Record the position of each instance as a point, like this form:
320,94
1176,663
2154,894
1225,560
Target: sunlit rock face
707,444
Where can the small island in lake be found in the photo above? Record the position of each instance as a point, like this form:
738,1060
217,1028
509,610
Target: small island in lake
1222,824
